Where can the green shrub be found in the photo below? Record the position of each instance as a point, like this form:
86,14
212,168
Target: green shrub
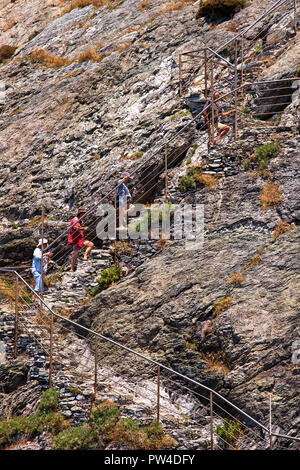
266,151
151,437
107,277
48,402
105,417
76,438
188,181
247,164
261,157
216,8
229,432
46,418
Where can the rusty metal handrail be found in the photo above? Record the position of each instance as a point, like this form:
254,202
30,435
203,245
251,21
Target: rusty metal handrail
156,363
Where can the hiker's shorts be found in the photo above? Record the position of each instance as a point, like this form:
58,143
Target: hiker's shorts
221,126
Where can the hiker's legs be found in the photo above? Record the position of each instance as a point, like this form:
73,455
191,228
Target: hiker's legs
76,252
223,129
38,281
122,212
130,208
89,246
38,286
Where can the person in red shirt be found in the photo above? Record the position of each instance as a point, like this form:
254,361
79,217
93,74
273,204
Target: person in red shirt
76,238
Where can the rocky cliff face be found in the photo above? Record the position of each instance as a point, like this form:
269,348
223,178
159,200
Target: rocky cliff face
102,100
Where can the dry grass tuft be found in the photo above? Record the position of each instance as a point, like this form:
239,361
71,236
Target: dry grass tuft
222,305
173,6
208,181
84,3
217,362
143,5
281,228
255,261
43,57
236,279
90,55
270,196
123,47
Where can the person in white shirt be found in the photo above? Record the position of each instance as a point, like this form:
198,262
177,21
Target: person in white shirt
36,270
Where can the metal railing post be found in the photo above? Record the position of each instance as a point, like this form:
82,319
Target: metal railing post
51,351
42,265
242,64
116,262
166,173
158,396
96,369
180,75
16,317
211,422
212,91
270,422
205,72
235,92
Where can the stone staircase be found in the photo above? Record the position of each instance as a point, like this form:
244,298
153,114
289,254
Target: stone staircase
75,382
70,289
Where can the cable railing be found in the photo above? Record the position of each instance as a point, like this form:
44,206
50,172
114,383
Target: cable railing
230,427
248,50
158,167
255,102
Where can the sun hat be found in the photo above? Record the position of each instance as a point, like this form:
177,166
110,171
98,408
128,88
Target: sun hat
42,241
81,210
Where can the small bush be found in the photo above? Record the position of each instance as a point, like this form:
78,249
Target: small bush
133,156
281,228
196,176
229,432
45,419
255,261
236,279
6,52
75,438
270,196
217,361
152,437
49,401
188,181
208,181
105,417
247,164
261,157
123,47
222,305
84,3
143,5
266,151
43,57
90,55
108,276
33,35
215,8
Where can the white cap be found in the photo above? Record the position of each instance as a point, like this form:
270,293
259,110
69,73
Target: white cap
42,241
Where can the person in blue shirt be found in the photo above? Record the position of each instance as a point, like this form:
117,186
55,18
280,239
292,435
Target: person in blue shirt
123,195
37,264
